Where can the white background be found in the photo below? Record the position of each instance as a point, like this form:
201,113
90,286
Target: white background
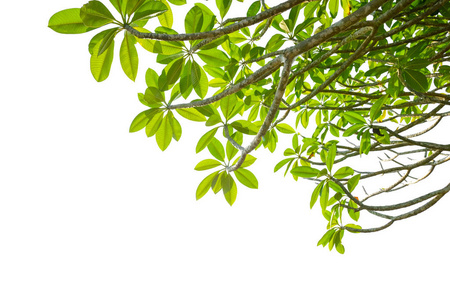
90,211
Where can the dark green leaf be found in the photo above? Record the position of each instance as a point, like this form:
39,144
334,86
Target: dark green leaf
415,80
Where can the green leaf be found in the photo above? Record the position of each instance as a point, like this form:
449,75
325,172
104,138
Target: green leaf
176,127
207,164
205,140
229,188
353,129
340,248
223,6
343,172
285,128
68,21
375,110
164,134
98,38
96,14
151,78
331,156
216,149
305,172
231,151
365,143
166,19
417,63
325,239
254,9
415,80
324,195
107,40
199,80
205,185
353,182
149,10
246,178
191,114
245,126
101,64
227,105
194,20
139,122
178,2
174,71
129,56
282,163
333,5
315,194
352,213
249,160
152,94
354,117
133,5
155,122
214,57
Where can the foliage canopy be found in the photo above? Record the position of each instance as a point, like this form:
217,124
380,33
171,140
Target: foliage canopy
360,77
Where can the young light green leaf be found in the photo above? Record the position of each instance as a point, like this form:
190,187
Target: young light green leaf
194,20
68,21
285,128
365,143
353,182
107,40
331,156
343,172
305,172
229,188
214,57
129,56
176,126
199,80
216,149
246,178
164,134
354,117
96,14
166,19
149,10
205,185
155,122
333,5
207,164
375,110
324,195
282,163
205,140
140,121
316,193
191,114
249,160
101,64
325,239
223,6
